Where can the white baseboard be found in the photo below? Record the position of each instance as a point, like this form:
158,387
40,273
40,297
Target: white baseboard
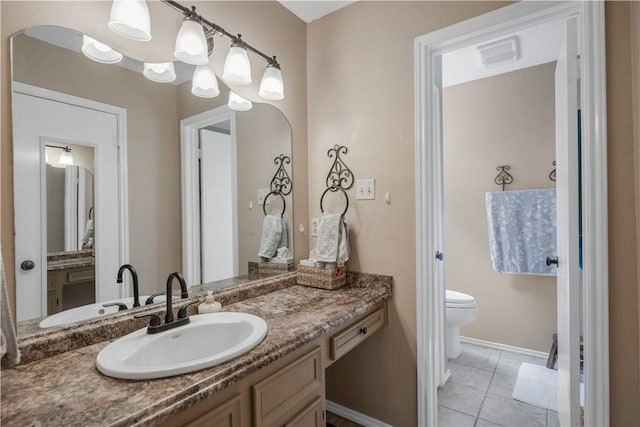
354,416
498,346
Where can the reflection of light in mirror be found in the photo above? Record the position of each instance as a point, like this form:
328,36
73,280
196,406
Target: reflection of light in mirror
191,43
237,69
271,85
66,158
204,83
56,159
130,19
161,72
99,52
238,103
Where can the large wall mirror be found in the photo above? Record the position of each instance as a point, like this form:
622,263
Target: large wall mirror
99,176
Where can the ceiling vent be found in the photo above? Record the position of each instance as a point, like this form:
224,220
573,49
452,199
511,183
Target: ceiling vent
499,52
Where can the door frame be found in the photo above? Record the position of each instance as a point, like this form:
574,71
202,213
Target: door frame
190,154
431,358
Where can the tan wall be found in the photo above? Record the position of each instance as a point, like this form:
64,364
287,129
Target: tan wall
360,79
153,150
266,25
623,191
502,120
55,208
635,56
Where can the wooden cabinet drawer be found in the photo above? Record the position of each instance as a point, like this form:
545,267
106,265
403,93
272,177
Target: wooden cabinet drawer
311,416
342,342
224,415
280,393
81,275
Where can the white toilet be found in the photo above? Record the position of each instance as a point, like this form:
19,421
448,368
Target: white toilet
461,309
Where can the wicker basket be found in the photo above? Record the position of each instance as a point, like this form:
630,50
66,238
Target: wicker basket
274,268
322,278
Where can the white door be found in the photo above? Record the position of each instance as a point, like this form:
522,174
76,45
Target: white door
218,206
36,121
567,228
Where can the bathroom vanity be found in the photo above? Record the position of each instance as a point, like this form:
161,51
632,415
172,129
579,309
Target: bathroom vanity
279,382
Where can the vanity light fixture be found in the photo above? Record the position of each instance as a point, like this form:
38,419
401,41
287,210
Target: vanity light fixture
191,42
65,159
271,85
238,103
237,69
204,83
130,19
161,72
99,52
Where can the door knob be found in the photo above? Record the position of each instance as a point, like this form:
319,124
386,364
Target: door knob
27,265
439,255
551,260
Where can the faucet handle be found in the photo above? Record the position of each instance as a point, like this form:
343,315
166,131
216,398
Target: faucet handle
182,312
155,319
149,300
121,306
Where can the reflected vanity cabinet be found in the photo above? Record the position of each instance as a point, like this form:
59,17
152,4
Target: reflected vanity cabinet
288,392
70,287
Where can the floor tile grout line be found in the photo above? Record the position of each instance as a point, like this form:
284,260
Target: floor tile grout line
487,392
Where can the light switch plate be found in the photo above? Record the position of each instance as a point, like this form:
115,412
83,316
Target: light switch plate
366,189
315,223
262,193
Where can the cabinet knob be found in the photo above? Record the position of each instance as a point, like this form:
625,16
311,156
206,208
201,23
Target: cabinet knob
27,265
551,260
439,256
363,330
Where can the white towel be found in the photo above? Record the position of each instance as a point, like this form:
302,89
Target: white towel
522,230
271,236
8,340
333,239
284,241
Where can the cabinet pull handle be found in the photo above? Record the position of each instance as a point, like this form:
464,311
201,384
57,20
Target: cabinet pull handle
363,330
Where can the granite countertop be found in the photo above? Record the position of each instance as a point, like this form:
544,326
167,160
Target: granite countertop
57,261
67,389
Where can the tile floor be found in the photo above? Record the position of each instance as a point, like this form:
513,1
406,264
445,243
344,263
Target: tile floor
479,391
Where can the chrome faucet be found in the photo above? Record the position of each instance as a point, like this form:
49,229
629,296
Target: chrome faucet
155,324
134,275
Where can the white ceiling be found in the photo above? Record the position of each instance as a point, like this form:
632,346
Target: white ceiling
310,10
538,45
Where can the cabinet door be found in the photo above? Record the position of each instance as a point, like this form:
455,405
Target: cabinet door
311,416
225,415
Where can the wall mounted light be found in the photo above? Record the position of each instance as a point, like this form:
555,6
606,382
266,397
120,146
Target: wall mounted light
191,42
204,83
99,52
65,158
271,85
161,72
130,19
193,47
237,68
238,103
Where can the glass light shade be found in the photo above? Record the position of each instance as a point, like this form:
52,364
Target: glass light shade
99,52
161,72
238,103
271,85
191,44
204,83
130,19
237,69
65,158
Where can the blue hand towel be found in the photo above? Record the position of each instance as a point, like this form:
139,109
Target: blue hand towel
522,230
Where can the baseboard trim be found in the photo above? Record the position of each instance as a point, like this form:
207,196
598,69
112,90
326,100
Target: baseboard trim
498,346
354,416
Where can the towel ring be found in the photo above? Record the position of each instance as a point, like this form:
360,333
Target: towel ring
335,188
264,203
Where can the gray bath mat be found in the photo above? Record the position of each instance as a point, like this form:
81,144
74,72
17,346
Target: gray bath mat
537,385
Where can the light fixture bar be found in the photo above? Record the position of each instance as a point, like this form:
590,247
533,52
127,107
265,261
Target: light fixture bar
211,27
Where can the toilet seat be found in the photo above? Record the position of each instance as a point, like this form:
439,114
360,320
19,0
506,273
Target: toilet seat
459,300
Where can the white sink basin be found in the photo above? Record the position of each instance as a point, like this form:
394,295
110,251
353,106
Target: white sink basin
90,311
208,340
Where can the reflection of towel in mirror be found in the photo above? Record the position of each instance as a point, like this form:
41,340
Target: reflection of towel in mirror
87,239
284,241
8,341
333,239
271,236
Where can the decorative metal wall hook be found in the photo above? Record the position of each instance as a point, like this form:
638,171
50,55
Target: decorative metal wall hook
339,174
281,181
552,175
503,178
